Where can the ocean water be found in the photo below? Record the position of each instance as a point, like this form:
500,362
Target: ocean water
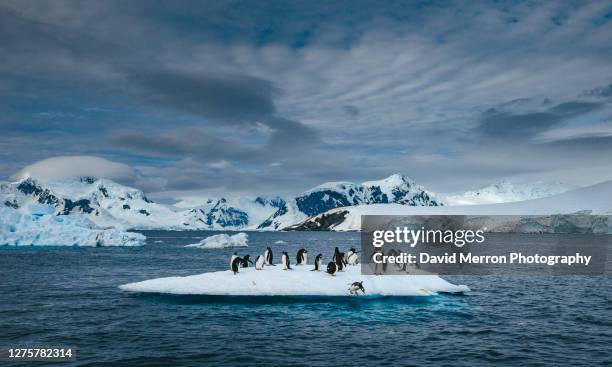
70,296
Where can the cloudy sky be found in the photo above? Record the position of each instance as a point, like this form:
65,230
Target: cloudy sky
276,97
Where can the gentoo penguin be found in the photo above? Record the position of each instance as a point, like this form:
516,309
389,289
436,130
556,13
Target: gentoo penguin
302,257
234,256
259,262
285,261
318,261
356,287
348,254
331,268
268,256
236,265
245,261
352,258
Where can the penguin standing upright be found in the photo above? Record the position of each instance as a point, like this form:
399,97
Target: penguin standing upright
245,261
236,265
259,262
302,257
285,261
353,259
331,268
234,256
317,262
268,256
340,261
336,255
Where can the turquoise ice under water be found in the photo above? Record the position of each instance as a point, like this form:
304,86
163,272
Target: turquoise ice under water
69,296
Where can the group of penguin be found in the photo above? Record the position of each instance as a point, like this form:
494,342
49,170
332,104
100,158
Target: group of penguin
339,261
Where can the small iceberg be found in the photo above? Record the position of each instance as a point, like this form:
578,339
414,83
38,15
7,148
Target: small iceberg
301,281
40,227
280,242
223,241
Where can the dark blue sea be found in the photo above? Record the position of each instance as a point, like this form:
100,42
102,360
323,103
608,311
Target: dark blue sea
70,296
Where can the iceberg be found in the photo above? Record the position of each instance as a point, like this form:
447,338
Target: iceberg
222,241
40,227
301,281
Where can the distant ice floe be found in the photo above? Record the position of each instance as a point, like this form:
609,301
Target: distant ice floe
301,281
222,241
280,242
40,227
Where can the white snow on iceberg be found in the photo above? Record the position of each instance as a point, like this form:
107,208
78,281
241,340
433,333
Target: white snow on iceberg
39,227
222,241
301,281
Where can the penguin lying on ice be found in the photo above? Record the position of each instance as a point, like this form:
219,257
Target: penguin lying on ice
331,268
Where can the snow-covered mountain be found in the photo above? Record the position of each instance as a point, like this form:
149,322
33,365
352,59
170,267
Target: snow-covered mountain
507,192
109,204
596,199
396,189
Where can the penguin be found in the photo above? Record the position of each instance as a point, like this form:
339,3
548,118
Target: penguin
245,261
350,252
268,256
336,255
331,268
234,256
302,257
353,259
236,265
285,261
338,258
356,287
259,262
317,262
340,261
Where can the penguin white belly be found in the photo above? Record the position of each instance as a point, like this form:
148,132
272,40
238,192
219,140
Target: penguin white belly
353,259
284,261
259,264
305,259
232,261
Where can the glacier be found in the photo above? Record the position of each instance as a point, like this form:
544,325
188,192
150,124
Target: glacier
222,241
594,200
507,192
301,281
40,227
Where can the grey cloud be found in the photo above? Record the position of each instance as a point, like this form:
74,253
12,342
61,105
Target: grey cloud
351,110
234,99
503,124
498,124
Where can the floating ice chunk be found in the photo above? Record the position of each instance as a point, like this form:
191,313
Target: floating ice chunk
222,241
301,281
38,228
